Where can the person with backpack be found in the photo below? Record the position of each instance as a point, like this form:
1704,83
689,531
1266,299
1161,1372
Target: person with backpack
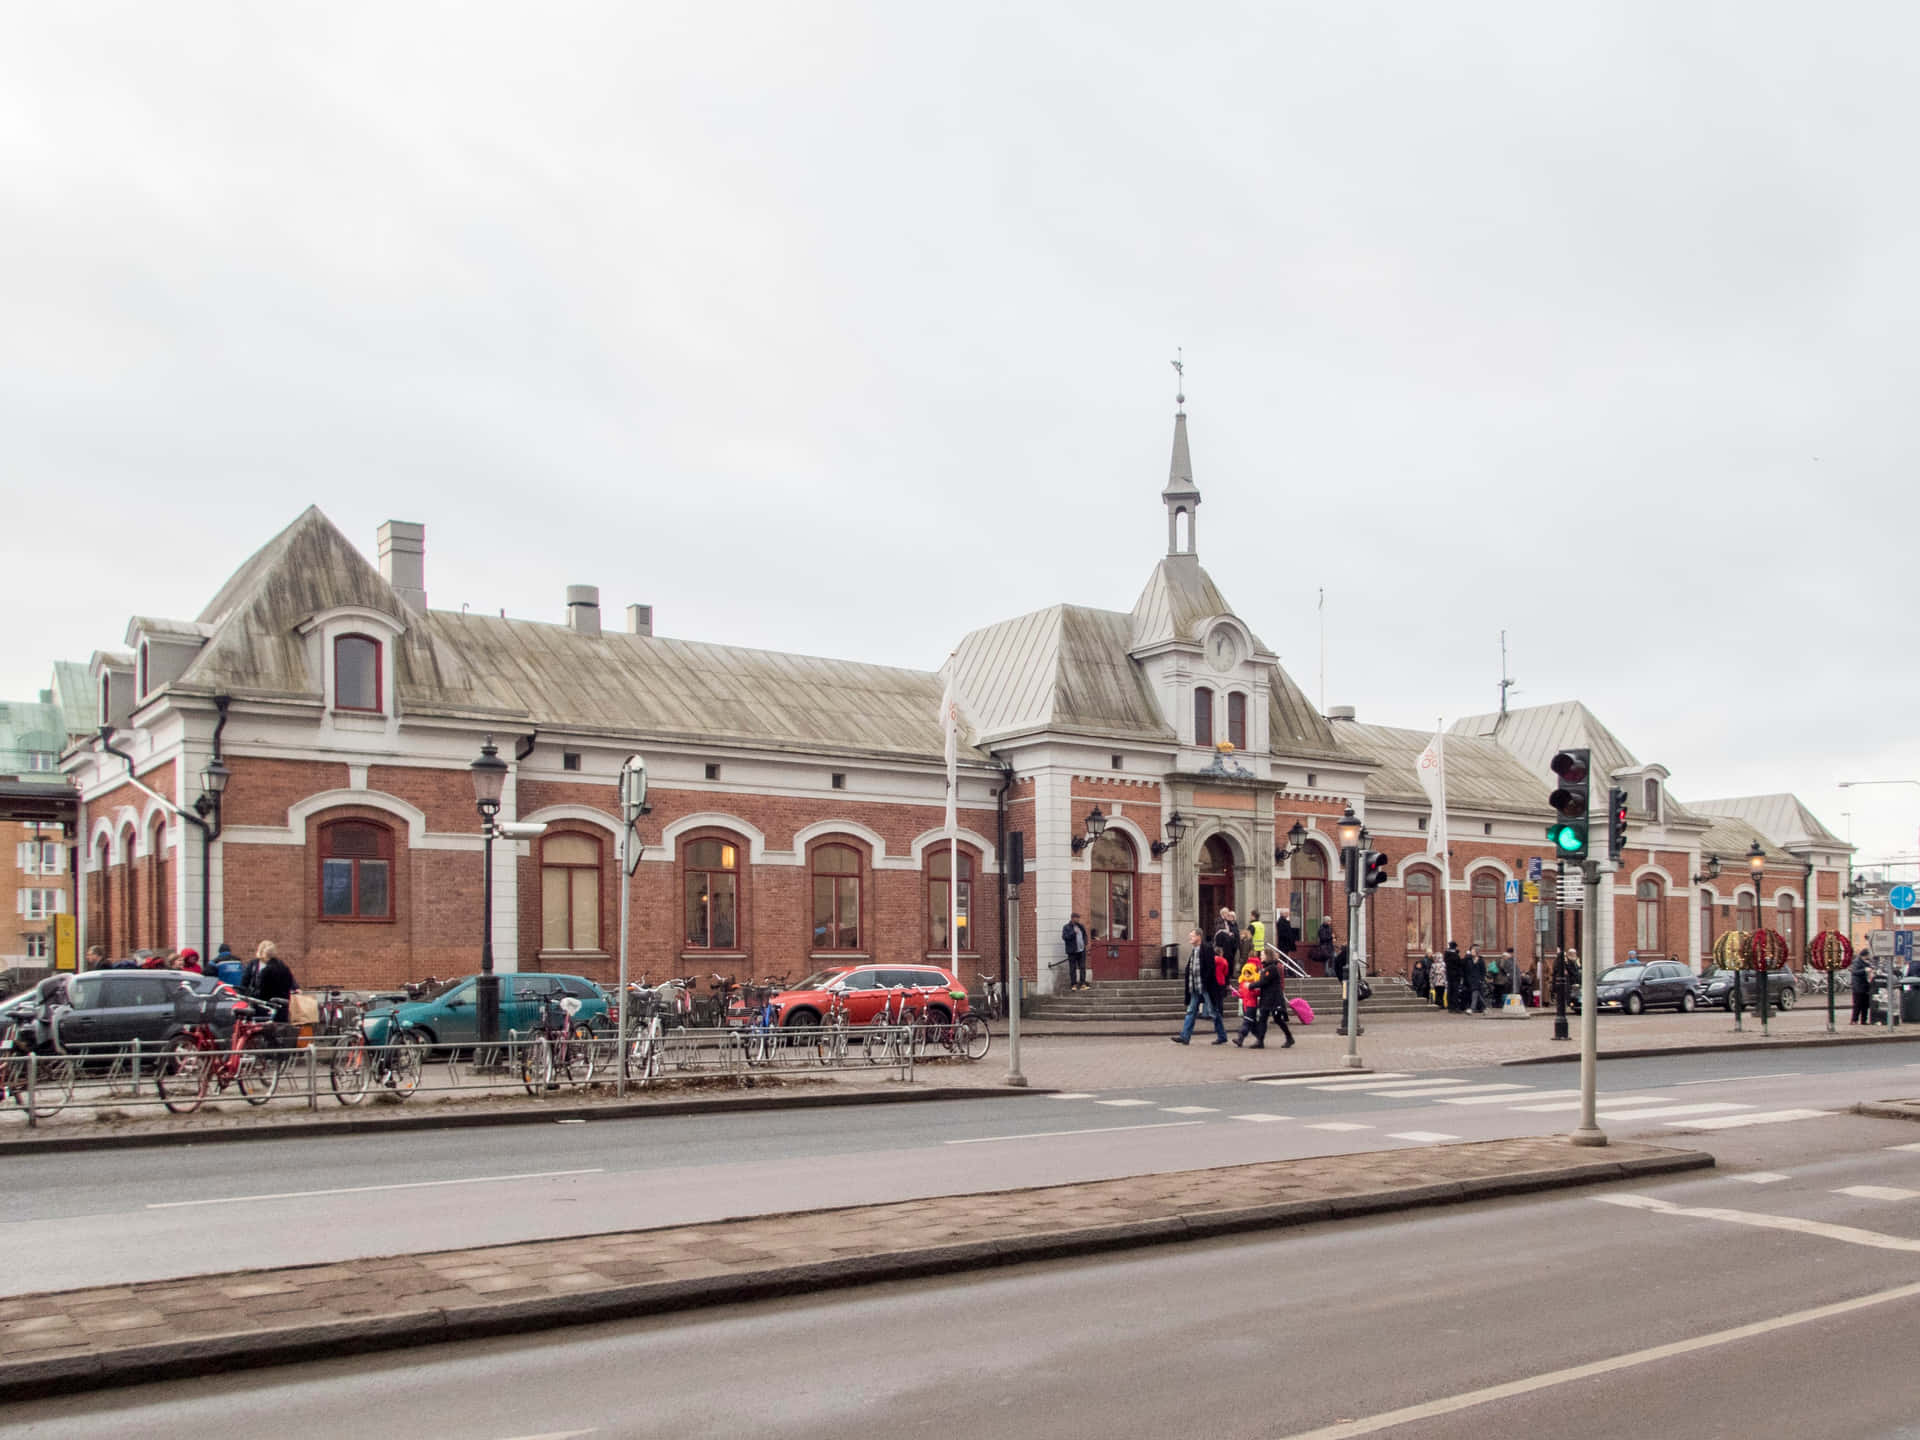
1206,977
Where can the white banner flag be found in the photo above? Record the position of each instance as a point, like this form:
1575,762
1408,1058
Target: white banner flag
1432,770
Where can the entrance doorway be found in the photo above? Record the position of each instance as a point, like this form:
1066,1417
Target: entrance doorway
1216,883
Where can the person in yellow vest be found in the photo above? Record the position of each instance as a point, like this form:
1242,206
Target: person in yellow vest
1257,929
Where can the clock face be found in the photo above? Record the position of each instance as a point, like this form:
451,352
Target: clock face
1223,648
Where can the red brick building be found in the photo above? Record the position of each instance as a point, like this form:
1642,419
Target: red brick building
797,803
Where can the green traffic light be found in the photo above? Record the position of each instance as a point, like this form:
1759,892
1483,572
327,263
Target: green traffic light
1569,839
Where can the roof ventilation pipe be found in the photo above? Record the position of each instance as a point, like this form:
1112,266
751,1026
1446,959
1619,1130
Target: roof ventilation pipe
639,619
1341,712
403,562
583,609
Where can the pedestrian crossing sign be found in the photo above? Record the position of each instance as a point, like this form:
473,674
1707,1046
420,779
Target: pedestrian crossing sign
1513,892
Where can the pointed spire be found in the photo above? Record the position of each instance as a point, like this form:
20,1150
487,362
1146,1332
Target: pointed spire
1180,471
1182,496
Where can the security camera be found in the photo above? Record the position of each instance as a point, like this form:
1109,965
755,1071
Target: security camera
522,829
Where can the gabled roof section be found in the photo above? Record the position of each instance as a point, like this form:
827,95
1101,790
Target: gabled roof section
190,631
556,677
1065,668
1782,816
1179,597
1535,734
1729,838
1481,773
308,567
73,695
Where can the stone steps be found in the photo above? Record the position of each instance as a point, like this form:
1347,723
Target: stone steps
1163,1001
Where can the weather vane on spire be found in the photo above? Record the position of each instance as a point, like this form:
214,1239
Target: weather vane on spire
1180,370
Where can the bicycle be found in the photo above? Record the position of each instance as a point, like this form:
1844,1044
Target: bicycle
830,1035
965,1038
646,1027
995,995
195,1061
398,1060
889,1038
37,1080
761,1036
557,1049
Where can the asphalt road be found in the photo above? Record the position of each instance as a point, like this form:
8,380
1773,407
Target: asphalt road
1676,1309
116,1216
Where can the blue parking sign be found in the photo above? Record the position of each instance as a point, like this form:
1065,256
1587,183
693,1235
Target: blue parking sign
1513,892
1903,945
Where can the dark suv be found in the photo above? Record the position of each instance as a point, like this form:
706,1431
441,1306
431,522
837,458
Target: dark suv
1646,987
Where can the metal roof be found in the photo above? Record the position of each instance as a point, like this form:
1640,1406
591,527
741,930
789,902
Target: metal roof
1178,599
1730,837
1481,774
1063,668
1535,734
1781,816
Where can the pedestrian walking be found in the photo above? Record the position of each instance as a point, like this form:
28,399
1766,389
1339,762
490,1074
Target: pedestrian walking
1273,1001
1437,981
1456,978
1206,987
1247,987
1324,941
1862,975
270,980
1476,981
1073,935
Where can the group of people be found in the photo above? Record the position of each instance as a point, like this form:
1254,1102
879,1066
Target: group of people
266,977
1469,984
1234,960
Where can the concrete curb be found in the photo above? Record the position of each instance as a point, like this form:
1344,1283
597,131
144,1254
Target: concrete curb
1794,1042
218,1354
534,1113
1308,1074
1889,1109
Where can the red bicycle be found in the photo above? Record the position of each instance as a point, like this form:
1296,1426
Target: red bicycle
196,1061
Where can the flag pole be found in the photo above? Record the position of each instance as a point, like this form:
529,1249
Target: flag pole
1446,864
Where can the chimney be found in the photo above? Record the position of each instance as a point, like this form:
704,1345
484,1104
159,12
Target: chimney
639,619
583,609
1341,712
403,562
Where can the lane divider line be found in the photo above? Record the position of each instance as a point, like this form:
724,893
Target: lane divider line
1765,1117
1760,1177
1260,1119
1508,1099
1123,1103
1331,1079
1337,1125
1092,1130
1467,1400
365,1189
1189,1110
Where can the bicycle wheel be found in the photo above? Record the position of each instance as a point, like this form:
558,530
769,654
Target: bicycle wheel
258,1075
579,1055
52,1084
643,1054
350,1069
405,1057
536,1064
972,1037
182,1076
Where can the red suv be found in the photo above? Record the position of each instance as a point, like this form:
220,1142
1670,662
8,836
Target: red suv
865,987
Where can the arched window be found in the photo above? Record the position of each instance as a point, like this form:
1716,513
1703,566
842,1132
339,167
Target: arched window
1237,720
100,899
356,673
1182,530
130,889
1746,911
1486,910
1653,800
569,891
836,898
940,907
1112,875
1786,925
356,871
1308,893
1647,899
1706,923
1420,911
713,895
1203,716
162,891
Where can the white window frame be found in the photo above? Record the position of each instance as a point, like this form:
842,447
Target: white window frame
39,947
41,903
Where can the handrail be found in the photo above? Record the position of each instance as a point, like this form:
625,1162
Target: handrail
1287,963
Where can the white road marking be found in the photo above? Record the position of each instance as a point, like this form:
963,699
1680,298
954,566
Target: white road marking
1423,1137
363,1189
1731,1079
1339,1125
1759,1177
557,1435
1847,1234
1260,1119
1603,1101
1877,1192
1662,1111
1071,1095
1450,1091
1383,1087
1509,1099
1765,1117
1911,1145
1092,1130
1330,1079
1189,1110
1123,1102
1452,1404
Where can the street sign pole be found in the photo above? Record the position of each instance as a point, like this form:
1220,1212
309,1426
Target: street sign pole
1014,987
633,804
1600,946
1560,957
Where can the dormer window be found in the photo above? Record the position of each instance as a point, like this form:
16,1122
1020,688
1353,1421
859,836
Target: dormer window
1653,800
356,673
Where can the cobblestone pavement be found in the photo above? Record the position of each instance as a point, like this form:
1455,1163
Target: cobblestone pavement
80,1323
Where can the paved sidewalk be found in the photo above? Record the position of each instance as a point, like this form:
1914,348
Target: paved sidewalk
87,1339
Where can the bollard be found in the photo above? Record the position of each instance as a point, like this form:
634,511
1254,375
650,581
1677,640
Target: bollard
313,1079
33,1080
136,1069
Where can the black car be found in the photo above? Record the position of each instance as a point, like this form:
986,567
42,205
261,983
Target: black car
1645,987
110,1009
1716,988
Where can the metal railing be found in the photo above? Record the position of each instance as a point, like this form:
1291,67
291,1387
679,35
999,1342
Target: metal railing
348,1069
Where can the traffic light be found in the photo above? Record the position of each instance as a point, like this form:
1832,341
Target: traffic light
1616,824
1376,871
1570,802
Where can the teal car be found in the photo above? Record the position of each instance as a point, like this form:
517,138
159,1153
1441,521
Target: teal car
448,1018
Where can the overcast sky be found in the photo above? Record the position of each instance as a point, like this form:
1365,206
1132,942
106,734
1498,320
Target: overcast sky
845,329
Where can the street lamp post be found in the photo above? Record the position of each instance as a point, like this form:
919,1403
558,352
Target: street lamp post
489,784
1757,865
1353,839
213,784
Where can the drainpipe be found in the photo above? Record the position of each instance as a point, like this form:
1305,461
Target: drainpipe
1000,839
